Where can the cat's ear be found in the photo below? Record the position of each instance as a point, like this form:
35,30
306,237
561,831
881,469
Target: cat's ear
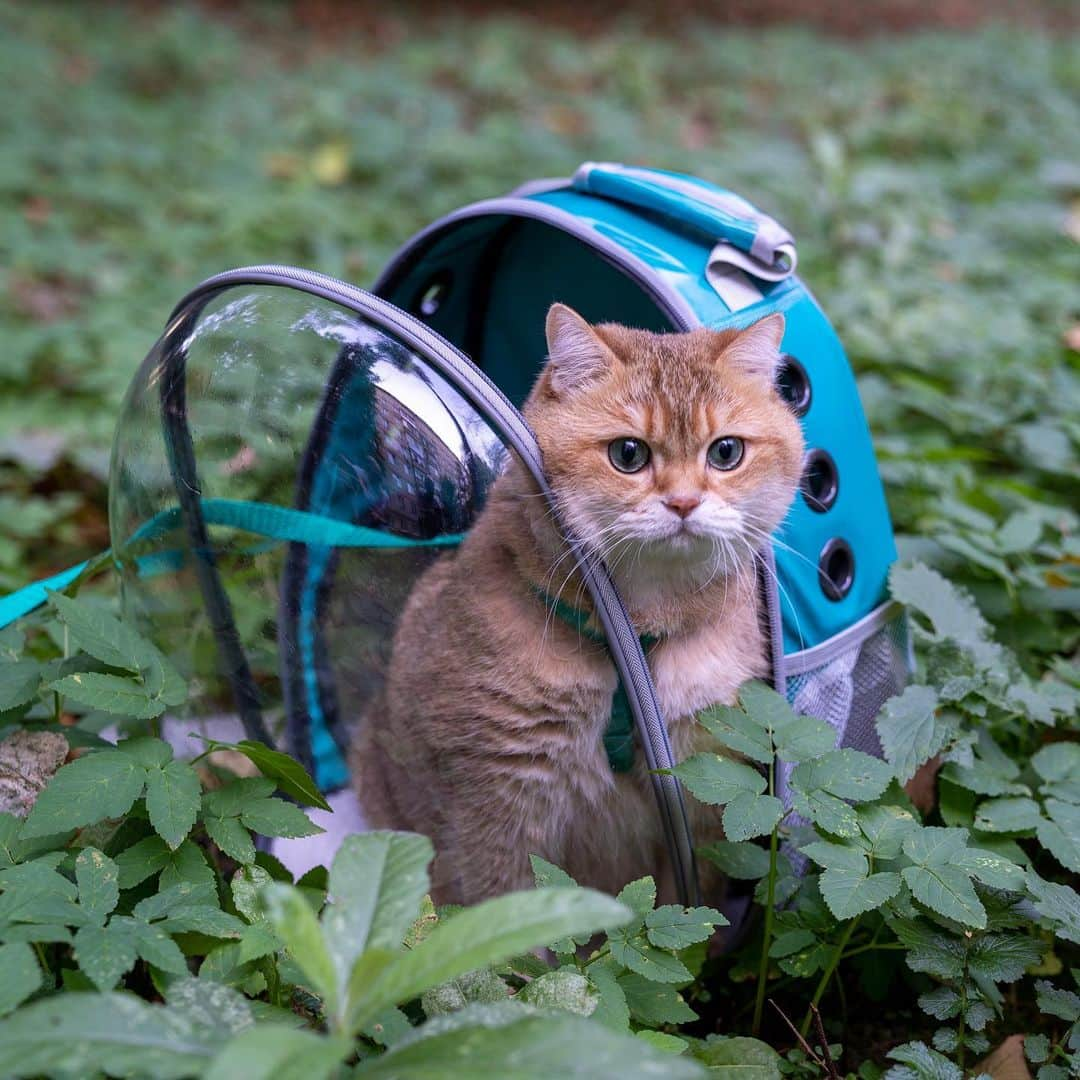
576,353
756,350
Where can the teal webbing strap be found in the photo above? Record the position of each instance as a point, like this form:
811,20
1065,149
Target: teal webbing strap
277,523
619,734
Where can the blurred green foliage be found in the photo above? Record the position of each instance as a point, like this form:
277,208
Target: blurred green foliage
931,180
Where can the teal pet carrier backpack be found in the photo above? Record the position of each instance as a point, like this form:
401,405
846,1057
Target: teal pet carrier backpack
294,452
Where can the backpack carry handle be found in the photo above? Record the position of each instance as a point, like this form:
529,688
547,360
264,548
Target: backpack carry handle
767,246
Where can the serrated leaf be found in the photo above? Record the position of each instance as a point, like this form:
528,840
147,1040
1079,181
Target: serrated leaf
545,873
142,860
487,933
567,990
89,789
148,751
22,975
717,780
910,731
748,816
173,795
1064,1004
651,1002
923,1064
99,634
639,896
202,919
849,891
209,1005
290,777
276,817
947,891
257,941
1057,762
246,886
98,878
88,1034
675,927
155,946
744,861
611,1009
1009,814
186,863
935,846
231,837
942,1003
19,682
635,952
738,1057
804,737
109,693
295,923
182,895
231,798
1058,903
765,706
737,731
991,869
104,954
884,828
1002,957
836,856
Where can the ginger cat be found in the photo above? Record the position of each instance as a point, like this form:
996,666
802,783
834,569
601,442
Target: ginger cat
674,458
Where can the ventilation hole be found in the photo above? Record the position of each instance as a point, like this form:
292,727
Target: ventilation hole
432,296
820,482
836,569
794,385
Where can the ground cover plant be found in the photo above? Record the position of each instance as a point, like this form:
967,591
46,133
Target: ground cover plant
931,182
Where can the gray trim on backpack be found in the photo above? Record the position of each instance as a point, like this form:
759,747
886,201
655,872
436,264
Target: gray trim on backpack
799,663
667,298
490,402
773,620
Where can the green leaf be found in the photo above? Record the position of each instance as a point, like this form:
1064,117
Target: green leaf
246,886
230,799
738,1057
564,989
184,894
99,634
744,861
290,776
488,933
482,985
209,1005
947,891
849,891
910,731
654,1003
377,881
202,919
19,682
804,737
231,836
277,1052
633,951
749,815
765,706
87,1034
639,896
738,732
675,927
142,860
276,817
836,856
186,863
148,751
1002,957
109,693
1064,1004
1058,903
1009,814
717,780
295,923
155,946
1020,533
22,976
611,1009
173,795
98,879
545,873
950,610
670,1044
1057,762
539,1047
991,869
923,1064
104,954
100,785
818,788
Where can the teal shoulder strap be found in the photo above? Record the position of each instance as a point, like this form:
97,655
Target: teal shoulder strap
277,523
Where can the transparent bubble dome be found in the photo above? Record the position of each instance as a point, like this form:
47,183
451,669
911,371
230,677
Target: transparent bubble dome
283,471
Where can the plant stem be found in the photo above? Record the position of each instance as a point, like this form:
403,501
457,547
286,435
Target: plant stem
763,966
827,974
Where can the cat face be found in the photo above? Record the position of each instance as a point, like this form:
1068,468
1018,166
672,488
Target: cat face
666,450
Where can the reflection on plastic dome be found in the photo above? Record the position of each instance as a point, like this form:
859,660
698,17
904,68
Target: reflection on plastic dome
283,472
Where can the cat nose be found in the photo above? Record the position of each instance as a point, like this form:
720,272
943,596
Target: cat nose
683,505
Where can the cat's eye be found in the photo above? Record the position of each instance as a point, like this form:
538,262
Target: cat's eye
726,453
629,455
